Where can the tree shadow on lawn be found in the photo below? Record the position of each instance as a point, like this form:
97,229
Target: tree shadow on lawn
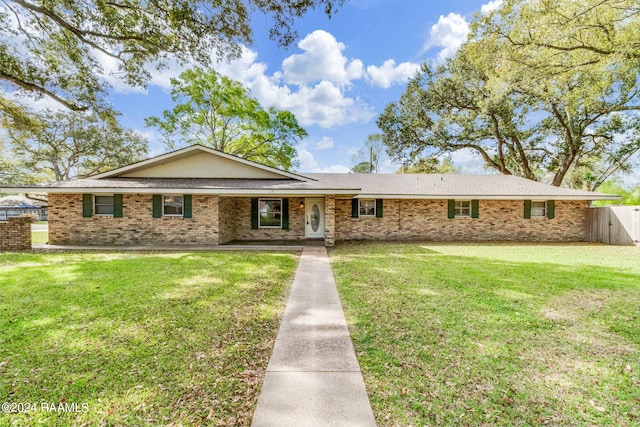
456,340
148,339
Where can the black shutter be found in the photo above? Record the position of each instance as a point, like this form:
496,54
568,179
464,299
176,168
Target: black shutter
451,208
157,206
285,214
187,207
527,209
551,209
87,205
378,208
254,213
117,205
354,208
475,208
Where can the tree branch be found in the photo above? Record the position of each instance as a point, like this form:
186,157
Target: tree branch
37,88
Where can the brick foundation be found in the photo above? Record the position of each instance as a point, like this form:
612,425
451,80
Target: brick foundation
15,234
219,219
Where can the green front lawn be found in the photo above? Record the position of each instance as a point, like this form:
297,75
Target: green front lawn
489,334
138,338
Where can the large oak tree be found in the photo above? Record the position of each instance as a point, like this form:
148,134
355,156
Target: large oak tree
69,144
216,111
54,48
542,89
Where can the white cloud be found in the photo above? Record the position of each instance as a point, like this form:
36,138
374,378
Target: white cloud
332,169
315,85
448,33
322,60
468,161
324,104
389,73
485,9
324,143
244,69
309,164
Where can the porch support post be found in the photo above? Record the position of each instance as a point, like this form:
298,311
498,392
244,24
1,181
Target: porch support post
213,209
330,220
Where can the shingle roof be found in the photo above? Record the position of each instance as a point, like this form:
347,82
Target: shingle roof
195,185
450,185
431,186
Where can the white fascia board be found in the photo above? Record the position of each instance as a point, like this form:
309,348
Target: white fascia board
164,157
494,197
159,190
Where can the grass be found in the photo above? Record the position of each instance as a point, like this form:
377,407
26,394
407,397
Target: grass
489,334
140,338
39,236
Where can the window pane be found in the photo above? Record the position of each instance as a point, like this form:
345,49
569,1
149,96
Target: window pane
270,213
463,208
367,207
172,205
538,208
104,205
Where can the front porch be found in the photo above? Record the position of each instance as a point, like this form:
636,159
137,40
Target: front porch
288,220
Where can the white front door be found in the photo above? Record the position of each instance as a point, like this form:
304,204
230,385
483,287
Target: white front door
314,218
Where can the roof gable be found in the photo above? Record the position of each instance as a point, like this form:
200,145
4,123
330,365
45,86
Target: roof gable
198,161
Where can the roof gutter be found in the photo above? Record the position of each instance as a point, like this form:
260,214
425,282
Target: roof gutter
167,190
490,197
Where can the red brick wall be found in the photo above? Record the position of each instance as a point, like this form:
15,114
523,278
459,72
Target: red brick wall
15,234
427,219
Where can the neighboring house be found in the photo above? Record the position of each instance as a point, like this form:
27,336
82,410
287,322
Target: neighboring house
16,206
200,196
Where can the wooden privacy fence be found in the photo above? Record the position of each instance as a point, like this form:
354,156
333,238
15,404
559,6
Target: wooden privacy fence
613,225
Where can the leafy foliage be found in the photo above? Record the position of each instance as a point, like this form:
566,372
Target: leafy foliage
430,165
72,144
56,48
369,157
216,111
362,167
14,170
630,195
555,111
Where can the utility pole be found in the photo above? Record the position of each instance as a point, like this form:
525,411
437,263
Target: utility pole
370,159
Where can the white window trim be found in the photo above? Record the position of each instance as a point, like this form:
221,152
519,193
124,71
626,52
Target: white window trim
367,216
470,208
173,215
94,204
545,208
260,216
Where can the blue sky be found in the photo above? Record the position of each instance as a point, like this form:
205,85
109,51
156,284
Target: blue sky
336,78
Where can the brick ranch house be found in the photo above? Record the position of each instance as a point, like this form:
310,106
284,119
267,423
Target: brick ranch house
200,196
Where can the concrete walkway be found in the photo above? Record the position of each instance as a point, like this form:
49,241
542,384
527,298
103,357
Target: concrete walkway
313,377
